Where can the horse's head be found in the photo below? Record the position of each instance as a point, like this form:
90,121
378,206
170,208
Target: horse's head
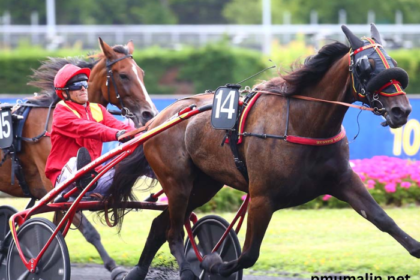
122,84
376,79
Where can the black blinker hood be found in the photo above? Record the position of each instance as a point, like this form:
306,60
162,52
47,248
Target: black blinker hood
386,76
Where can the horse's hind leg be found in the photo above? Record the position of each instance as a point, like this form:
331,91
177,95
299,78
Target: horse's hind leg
91,235
355,193
155,240
204,189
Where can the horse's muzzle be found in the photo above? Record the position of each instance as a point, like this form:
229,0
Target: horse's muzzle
397,116
145,116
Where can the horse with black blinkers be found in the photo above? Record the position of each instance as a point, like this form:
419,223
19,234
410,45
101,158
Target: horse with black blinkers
303,154
115,78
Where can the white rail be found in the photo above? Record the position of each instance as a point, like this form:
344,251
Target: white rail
254,36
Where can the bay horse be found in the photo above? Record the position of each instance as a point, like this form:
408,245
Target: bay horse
192,167
115,78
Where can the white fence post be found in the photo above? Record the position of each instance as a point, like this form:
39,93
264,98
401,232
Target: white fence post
6,23
342,19
371,17
398,17
34,26
314,17
266,17
51,19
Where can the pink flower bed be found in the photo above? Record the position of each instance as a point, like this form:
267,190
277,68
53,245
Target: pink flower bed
387,174
390,171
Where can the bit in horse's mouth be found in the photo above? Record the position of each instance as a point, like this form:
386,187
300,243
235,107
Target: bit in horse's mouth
385,123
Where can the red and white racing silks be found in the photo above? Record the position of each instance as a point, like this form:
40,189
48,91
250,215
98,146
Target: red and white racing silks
75,126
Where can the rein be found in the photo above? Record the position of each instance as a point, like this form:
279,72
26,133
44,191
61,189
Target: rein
320,100
125,112
288,138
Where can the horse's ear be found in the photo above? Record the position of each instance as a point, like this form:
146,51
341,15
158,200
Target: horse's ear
375,34
355,42
106,49
130,47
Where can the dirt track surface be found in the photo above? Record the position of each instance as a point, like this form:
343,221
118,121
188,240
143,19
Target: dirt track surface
98,272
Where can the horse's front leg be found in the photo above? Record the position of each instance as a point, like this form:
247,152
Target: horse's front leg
259,216
355,193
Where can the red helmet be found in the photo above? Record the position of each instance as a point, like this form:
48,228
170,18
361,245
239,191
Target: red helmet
63,75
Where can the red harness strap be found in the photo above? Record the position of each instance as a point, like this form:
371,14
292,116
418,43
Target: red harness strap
244,115
288,138
372,45
317,141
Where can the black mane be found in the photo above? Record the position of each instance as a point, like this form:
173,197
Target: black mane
43,77
310,73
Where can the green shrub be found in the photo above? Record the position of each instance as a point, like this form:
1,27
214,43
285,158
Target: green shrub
226,200
204,68
409,60
200,68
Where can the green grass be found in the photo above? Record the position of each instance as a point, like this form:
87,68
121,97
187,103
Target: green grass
300,242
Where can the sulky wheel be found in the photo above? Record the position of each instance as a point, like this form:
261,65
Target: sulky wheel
32,236
5,213
207,232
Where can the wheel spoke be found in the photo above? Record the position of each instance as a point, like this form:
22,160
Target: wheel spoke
38,235
204,240
26,251
51,259
226,247
24,275
210,235
3,260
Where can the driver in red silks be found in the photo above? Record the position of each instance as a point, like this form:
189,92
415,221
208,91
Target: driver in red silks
78,130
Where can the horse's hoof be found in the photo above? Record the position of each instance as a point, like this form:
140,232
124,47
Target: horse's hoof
121,274
211,263
118,273
415,253
188,274
111,265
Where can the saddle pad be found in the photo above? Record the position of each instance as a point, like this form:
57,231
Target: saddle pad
18,126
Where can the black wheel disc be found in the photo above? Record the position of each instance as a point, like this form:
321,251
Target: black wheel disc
5,213
32,236
207,232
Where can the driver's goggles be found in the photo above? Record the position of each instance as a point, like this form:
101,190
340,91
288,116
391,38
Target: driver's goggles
78,85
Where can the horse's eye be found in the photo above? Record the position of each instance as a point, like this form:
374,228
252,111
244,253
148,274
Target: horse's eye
123,76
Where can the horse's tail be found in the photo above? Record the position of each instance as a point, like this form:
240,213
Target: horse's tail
126,174
43,77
